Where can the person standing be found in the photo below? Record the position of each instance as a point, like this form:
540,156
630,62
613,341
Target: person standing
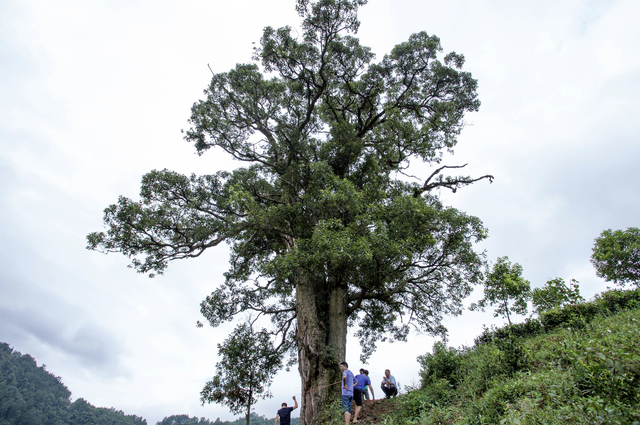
347,391
284,414
365,390
389,386
362,380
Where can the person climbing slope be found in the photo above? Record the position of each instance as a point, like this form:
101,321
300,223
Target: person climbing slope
362,380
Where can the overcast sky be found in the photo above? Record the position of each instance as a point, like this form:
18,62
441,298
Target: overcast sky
93,94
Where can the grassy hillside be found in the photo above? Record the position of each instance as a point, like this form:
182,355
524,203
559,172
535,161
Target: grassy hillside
576,365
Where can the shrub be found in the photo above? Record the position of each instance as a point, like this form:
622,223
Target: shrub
606,361
332,414
512,401
574,316
529,327
443,363
617,299
412,405
513,357
440,415
581,367
479,366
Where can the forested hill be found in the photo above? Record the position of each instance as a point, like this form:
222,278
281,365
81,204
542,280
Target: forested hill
30,395
186,420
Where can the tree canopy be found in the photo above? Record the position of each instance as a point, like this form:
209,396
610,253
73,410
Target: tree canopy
186,420
616,256
327,229
554,294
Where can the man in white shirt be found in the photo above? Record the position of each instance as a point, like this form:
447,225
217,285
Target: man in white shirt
389,386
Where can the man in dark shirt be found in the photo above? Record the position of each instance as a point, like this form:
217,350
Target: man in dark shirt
284,414
362,381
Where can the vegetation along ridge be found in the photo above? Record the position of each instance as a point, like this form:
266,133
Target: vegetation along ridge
577,364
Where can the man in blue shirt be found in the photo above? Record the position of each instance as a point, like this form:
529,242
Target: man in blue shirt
389,386
347,391
284,414
365,390
362,380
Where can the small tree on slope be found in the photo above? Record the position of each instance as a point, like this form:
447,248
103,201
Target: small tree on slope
505,289
244,374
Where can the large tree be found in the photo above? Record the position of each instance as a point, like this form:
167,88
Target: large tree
327,229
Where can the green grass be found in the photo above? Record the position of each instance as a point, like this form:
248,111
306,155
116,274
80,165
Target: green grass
587,374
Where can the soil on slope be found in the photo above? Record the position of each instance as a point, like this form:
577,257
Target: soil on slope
373,411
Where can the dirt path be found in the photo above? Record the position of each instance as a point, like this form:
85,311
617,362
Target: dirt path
372,412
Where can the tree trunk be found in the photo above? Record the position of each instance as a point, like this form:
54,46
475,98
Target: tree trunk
322,339
506,309
249,403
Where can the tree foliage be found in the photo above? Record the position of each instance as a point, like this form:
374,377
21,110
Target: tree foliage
186,420
505,289
327,229
616,256
244,374
556,293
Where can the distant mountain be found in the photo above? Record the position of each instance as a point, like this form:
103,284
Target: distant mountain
30,395
254,420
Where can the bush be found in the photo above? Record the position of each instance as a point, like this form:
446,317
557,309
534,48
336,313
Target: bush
440,415
480,366
332,414
443,363
581,367
513,357
616,299
529,327
574,316
606,361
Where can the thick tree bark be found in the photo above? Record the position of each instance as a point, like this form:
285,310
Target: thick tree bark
322,340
